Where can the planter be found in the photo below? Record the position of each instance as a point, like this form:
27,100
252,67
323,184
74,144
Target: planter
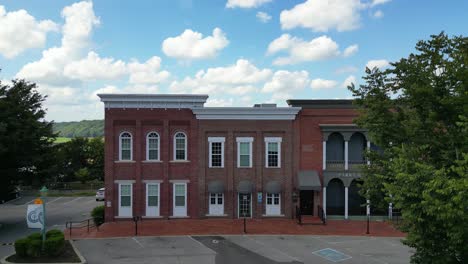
62,259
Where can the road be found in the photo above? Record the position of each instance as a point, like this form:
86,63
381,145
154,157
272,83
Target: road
59,210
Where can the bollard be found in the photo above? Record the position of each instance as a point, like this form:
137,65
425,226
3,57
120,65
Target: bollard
245,228
136,219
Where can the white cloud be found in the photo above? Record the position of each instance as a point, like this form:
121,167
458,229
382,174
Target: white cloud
379,2
347,82
191,45
93,67
318,84
378,14
381,64
214,102
138,89
287,82
263,17
346,69
79,22
245,3
20,31
323,15
351,50
148,72
320,48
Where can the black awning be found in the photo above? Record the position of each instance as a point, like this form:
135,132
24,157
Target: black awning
309,180
245,187
273,187
216,187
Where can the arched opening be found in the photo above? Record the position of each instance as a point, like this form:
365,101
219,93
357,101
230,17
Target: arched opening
356,203
335,151
356,149
335,197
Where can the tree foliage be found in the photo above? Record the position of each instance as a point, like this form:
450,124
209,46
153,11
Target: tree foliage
417,113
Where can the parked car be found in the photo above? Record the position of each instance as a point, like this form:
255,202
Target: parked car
9,196
100,194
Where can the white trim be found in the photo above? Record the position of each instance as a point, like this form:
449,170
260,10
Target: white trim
346,202
272,205
152,181
244,140
151,101
324,155
238,205
120,146
147,147
215,140
129,211
179,181
212,208
124,181
174,146
151,161
346,154
149,209
179,212
246,113
277,140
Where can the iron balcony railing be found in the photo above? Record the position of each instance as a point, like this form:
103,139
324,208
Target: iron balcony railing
340,164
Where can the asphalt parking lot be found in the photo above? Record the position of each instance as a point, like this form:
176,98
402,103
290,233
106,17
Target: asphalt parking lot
245,249
58,210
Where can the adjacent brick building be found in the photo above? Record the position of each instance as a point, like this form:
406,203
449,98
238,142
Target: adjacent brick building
168,156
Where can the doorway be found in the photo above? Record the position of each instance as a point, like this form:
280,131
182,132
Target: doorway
245,205
307,202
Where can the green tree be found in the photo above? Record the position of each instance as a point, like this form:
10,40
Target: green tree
82,175
416,112
74,156
96,158
25,137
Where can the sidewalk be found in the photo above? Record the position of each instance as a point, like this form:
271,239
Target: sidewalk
233,227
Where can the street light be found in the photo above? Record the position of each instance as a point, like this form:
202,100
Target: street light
43,192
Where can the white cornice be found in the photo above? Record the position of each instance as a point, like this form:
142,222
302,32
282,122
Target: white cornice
153,100
246,113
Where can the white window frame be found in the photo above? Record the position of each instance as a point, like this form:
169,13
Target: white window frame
216,140
244,140
147,146
130,210
216,203
153,211
120,146
174,211
277,140
238,205
175,147
269,207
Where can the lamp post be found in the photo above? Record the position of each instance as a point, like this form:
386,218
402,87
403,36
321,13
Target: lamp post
368,215
43,192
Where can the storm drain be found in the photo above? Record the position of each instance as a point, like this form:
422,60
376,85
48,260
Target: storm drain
332,255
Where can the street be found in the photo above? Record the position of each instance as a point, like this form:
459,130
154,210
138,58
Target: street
58,211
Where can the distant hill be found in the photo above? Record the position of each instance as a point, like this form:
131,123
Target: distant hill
85,128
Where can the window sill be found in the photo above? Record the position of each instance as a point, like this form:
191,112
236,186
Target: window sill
215,167
178,217
179,161
152,217
212,215
124,161
244,167
152,161
272,167
273,216
123,217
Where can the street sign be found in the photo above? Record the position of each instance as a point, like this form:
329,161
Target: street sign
34,216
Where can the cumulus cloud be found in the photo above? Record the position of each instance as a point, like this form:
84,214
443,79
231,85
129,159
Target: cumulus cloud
245,3
320,48
148,72
379,2
378,14
346,69
381,64
191,45
263,17
20,31
351,50
94,67
348,81
287,82
215,102
318,84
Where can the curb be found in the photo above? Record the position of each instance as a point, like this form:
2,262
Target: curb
77,252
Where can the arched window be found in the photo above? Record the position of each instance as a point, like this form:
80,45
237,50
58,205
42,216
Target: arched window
180,146
125,146
152,146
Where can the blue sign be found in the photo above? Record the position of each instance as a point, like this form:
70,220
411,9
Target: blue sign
259,197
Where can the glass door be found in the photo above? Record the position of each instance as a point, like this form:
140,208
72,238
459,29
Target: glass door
245,205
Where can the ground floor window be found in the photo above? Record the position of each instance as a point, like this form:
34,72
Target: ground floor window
245,205
216,204
180,199
125,199
152,199
273,204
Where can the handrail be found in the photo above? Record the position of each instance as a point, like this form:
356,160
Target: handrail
86,223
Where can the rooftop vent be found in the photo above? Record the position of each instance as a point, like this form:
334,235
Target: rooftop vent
265,105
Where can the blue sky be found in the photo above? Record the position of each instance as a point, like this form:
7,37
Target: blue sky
240,52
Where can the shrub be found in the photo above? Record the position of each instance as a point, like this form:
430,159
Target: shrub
54,233
98,215
54,245
21,247
34,248
35,236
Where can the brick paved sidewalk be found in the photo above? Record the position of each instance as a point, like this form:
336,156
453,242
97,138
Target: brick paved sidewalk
232,227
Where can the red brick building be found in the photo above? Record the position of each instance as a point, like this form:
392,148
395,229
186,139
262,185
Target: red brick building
168,156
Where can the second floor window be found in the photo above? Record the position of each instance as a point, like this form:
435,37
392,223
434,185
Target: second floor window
216,150
125,144
180,146
244,152
152,146
272,152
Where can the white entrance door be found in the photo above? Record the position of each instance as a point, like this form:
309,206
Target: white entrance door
216,204
152,199
180,199
245,205
273,204
125,200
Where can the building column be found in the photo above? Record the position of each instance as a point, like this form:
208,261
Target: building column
324,203
368,149
346,154
346,202
324,155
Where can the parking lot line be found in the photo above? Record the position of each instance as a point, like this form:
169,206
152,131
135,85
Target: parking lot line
30,201
138,242
55,200
76,199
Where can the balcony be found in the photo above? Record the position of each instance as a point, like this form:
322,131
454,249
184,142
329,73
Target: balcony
339,165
